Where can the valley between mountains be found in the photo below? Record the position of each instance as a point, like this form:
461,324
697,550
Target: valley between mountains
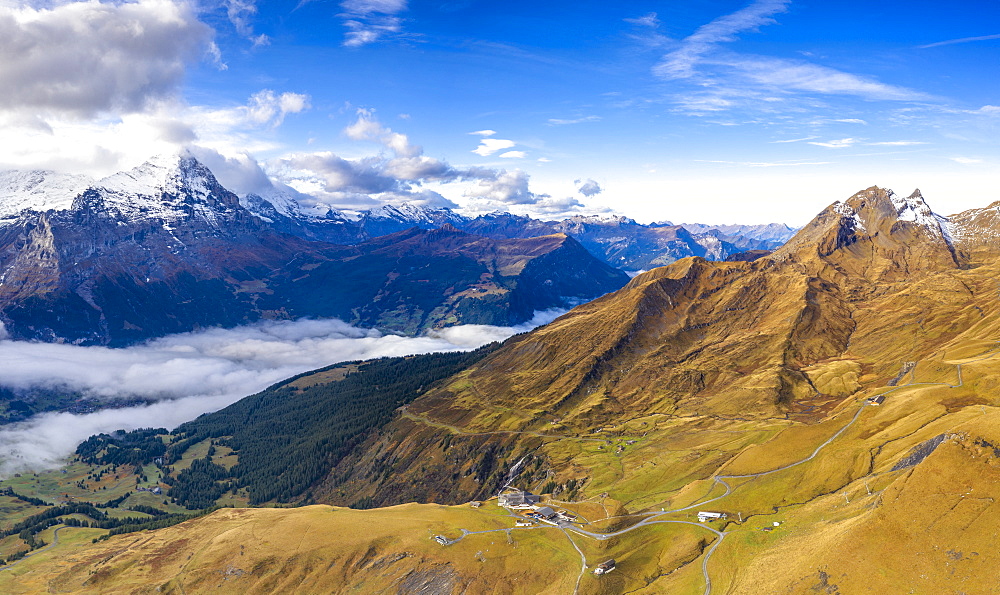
836,399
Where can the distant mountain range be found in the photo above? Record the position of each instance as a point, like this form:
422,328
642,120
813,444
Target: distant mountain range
165,248
619,241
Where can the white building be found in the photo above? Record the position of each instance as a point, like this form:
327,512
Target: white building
704,517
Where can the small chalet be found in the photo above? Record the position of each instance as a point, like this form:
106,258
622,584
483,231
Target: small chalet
605,567
876,400
518,499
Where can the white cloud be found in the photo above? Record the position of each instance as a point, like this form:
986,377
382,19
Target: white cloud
267,108
484,132
898,143
966,160
192,373
648,20
368,21
795,140
851,121
589,188
82,59
987,110
562,122
792,75
563,207
681,62
835,144
488,146
507,188
241,13
368,182
513,155
104,145
724,80
366,127
961,40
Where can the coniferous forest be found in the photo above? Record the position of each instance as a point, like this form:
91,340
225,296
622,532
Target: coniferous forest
290,434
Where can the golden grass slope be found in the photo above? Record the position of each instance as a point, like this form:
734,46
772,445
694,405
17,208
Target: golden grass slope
648,398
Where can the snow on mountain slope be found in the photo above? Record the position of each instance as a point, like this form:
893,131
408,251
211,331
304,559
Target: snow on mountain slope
914,208
168,188
38,190
266,203
411,213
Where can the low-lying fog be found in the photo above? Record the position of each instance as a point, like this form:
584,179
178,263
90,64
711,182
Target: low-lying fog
192,373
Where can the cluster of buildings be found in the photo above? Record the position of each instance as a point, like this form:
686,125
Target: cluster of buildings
526,501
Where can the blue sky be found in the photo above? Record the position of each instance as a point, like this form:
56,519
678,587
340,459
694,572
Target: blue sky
714,111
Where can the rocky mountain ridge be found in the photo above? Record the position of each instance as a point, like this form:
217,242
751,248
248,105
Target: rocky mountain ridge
165,248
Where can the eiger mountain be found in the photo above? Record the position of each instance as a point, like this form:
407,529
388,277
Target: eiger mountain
833,405
164,248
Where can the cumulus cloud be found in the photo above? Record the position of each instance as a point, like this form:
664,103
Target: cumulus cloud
505,188
268,108
366,127
488,146
589,188
192,373
103,146
562,207
399,174
368,21
83,59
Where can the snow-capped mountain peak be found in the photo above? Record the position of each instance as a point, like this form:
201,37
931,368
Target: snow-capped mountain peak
871,209
168,188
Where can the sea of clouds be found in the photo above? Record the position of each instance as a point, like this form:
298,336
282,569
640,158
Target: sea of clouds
192,373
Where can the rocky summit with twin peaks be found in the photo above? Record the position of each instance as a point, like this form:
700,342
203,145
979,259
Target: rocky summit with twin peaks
820,418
